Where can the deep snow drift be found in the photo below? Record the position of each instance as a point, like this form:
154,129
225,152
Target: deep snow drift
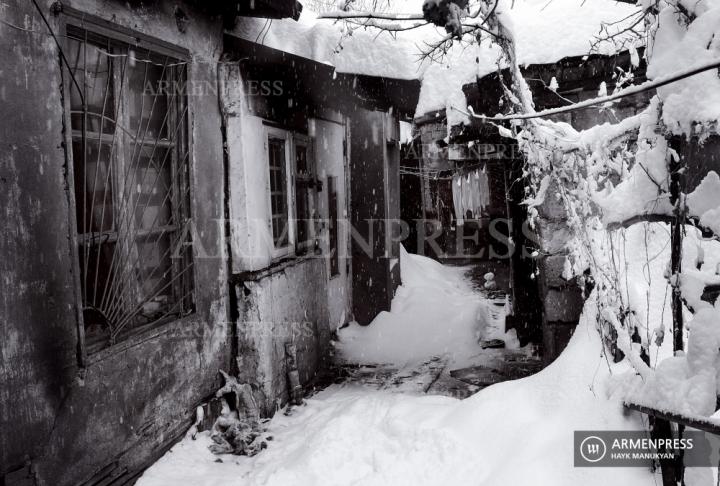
514,433
435,312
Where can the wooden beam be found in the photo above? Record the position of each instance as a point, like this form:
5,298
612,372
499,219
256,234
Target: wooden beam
700,423
641,218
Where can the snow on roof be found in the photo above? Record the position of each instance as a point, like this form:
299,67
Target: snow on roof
365,52
545,31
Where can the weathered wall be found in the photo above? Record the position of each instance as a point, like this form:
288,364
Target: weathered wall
330,138
375,255
61,424
288,306
251,235
279,300
562,299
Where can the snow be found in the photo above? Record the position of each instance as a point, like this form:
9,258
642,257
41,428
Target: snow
637,258
704,202
541,193
366,51
538,40
686,384
435,312
513,433
644,189
706,195
677,47
711,219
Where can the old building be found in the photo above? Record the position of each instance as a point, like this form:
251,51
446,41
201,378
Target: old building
545,307
177,201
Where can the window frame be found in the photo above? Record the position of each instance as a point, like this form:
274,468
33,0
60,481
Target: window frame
71,21
309,178
294,248
333,226
288,250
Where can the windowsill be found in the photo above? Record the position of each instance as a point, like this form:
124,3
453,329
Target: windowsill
276,266
148,332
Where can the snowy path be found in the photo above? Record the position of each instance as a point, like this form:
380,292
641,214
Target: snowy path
436,312
384,429
514,433
430,341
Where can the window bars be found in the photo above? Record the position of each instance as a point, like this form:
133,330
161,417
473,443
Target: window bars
131,184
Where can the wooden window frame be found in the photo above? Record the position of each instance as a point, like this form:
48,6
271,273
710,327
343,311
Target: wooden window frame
294,248
310,179
288,250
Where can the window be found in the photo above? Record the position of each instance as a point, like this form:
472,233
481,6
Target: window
305,192
293,192
128,114
334,226
280,207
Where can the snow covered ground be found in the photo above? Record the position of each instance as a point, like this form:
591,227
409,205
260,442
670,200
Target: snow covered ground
436,312
513,433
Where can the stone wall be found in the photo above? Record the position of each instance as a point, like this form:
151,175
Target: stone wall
561,298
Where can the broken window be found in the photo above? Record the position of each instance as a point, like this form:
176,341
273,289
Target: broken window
130,163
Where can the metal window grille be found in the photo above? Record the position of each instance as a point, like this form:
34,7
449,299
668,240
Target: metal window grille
129,120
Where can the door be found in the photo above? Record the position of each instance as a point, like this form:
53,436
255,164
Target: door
331,170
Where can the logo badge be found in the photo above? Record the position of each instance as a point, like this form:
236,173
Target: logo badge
593,449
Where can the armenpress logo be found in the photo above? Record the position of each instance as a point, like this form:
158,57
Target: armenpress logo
593,449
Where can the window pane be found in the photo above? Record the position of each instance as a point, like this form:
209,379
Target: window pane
278,191
301,162
334,225
97,268
93,187
150,87
155,269
151,187
303,210
92,69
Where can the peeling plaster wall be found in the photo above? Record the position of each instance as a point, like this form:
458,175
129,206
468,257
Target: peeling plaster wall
117,414
329,139
251,235
277,302
286,307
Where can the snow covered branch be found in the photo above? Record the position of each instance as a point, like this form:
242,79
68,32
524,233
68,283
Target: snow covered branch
342,15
